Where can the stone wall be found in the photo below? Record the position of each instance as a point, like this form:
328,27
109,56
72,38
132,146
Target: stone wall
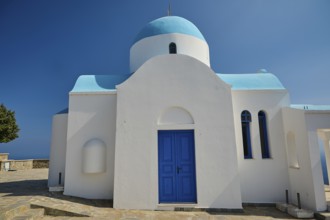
17,164
2,165
40,163
3,156
24,164
21,164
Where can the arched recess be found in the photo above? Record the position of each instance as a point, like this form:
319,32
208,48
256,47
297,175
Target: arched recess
175,115
94,156
292,150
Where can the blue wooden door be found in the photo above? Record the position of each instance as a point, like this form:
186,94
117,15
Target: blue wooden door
176,158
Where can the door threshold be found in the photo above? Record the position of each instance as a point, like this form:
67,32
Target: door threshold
173,206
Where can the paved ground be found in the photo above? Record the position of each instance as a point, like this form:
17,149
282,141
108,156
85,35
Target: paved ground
30,187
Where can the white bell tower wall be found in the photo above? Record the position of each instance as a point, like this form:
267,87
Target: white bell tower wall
150,47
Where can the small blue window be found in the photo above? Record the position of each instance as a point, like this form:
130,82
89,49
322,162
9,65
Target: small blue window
263,135
172,48
246,120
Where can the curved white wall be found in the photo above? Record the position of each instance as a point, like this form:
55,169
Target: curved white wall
58,150
149,47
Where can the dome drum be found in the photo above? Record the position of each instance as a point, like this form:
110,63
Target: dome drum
157,37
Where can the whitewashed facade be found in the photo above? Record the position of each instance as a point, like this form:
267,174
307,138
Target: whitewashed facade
174,133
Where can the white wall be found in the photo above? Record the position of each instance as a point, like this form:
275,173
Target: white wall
58,150
262,180
316,121
161,83
90,116
149,47
307,178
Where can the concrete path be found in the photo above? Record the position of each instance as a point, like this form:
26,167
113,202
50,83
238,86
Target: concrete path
21,189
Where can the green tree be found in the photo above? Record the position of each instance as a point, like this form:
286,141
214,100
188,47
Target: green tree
8,127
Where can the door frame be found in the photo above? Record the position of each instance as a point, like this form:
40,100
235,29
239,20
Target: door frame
194,165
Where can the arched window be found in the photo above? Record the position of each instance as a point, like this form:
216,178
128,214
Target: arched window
172,48
246,119
263,135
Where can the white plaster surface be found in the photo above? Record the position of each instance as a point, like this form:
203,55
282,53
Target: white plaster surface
90,116
175,115
316,121
141,100
262,180
58,150
306,180
181,92
94,156
153,46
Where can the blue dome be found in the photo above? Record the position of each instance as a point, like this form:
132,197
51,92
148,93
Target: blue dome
168,25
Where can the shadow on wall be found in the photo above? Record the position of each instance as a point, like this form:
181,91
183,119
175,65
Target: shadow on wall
324,164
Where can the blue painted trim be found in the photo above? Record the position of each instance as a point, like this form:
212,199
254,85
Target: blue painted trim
252,81
98,83
169,25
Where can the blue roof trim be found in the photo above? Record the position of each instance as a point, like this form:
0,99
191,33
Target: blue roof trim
169,25
252,81
312,107
64,111
98,83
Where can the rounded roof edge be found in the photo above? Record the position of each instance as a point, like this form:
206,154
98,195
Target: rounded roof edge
98,83
252,81
168,25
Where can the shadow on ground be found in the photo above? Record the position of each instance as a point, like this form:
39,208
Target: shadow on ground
40,188
24,188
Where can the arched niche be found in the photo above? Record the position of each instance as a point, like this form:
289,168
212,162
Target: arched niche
94,156
292,150
175,115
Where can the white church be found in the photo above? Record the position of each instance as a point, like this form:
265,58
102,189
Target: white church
174,133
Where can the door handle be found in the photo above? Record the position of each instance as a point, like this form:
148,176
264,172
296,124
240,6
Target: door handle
178,169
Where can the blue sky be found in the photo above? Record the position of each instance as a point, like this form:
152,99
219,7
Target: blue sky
46,45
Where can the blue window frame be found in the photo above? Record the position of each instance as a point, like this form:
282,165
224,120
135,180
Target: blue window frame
172,48
246,120
263,135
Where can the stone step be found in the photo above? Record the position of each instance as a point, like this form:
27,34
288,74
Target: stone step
13,210
295,211
56,188
322,215
300,213
30,214
57,210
